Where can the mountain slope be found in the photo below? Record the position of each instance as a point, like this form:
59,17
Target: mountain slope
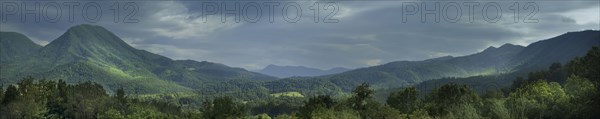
289,71
505,59
393,74
402,73
563,48
88,52
492,61
14,45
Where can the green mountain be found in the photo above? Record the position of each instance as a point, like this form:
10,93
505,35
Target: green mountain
15,45
536,57
563,48
489,63
88,52
402,73
394,74
92,53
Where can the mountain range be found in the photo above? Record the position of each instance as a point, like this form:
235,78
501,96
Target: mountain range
93,53
290,71
492,61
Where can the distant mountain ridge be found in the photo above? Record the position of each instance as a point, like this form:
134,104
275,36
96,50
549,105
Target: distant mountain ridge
393,74
492,61
290,71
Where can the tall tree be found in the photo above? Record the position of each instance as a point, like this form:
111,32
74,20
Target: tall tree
587,67
362,101
11,94
121,95
314,103
406,101
223,108
580,92
362,95
444,98
536,100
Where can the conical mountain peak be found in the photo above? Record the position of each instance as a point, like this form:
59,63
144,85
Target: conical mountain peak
89,35
88,42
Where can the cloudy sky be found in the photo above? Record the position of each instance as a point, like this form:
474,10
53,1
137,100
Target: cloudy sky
348,34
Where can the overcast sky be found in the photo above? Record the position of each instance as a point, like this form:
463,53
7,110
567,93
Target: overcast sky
362,33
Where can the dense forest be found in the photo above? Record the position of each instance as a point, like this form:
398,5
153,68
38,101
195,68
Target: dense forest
563,91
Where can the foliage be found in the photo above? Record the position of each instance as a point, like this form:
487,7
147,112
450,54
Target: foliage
276,106
441,101
286,116
541,95
361,97
494,108
224,108
326,113
580,93
51,99
314,103
406,101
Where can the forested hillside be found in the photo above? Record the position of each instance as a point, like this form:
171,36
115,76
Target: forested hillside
494,66
92,53
563,91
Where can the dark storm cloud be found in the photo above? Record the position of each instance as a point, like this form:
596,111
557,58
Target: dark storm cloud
368,33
